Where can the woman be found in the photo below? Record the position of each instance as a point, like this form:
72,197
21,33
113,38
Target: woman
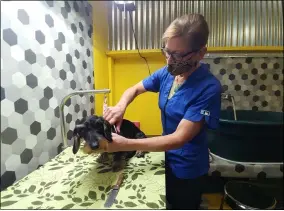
189,99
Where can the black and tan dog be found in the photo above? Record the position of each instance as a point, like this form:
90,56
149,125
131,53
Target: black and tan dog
96,132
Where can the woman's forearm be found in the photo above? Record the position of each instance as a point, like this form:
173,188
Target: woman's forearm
127,97
153,144
130,94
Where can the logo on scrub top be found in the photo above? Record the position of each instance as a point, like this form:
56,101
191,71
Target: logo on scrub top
204,112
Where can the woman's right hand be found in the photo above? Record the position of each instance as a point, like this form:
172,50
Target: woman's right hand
114,115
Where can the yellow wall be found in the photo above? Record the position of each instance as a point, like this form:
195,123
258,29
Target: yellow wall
100,43
126,73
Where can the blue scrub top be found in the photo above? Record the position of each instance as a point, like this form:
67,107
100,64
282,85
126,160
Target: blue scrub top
198,97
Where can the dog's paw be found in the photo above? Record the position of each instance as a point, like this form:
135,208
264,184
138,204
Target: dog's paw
103,158
140,154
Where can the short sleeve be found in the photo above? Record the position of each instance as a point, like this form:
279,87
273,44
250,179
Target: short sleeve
207,106
153,82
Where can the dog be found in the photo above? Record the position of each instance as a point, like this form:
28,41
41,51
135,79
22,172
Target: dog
96,132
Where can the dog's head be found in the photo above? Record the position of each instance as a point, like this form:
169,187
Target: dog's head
95,131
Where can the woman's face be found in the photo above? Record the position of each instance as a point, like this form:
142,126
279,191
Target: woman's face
178,50
180,57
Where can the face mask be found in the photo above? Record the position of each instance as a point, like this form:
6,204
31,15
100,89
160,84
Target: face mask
178,68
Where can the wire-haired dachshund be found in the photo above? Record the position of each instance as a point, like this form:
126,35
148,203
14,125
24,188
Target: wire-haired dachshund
96,132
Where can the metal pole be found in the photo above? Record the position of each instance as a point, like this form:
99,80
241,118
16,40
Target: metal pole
61,110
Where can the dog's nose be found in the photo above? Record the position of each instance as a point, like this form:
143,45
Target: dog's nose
94,145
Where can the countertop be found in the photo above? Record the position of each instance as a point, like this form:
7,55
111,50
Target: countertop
78,182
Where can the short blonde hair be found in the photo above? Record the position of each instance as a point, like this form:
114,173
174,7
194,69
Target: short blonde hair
192,26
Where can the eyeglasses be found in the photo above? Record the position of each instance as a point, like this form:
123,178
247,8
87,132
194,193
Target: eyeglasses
176,56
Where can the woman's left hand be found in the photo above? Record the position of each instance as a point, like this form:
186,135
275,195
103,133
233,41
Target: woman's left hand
118,143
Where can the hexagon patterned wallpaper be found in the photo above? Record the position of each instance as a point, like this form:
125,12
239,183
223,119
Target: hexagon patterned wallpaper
46,53
255,82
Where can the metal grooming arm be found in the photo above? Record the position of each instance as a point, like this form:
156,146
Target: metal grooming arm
61,110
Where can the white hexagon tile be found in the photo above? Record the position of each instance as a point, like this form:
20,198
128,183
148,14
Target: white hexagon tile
46,47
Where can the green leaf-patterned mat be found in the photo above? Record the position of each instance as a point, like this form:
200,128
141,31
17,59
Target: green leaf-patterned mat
78,182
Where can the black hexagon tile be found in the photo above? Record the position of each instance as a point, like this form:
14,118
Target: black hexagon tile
40,37
62,74
239,168
248,60
68,118
77,108
61,37
49,3
50,62
89,79
21,106
30,56
9,135
8,178
64,13
23,17
84,64
67,7
35,128
48,93
75,6
77,54
82,42
49,21
72,68
81,26
88,52
91,98
84,113
26,156
44,103
51,133
10,37
2,93
31,81
90,31
73,84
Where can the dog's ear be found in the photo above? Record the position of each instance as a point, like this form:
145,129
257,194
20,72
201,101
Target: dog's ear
76,138
107,131
76,144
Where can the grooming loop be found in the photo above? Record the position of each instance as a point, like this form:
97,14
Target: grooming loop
105,103
61,110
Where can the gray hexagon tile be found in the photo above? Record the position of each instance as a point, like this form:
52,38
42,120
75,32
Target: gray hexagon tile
43,158
4,123
30,141
6,151
3,169
21,171
8,107
33,164
12,162
18,146
47,146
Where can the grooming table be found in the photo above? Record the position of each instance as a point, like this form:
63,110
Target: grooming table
78,182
